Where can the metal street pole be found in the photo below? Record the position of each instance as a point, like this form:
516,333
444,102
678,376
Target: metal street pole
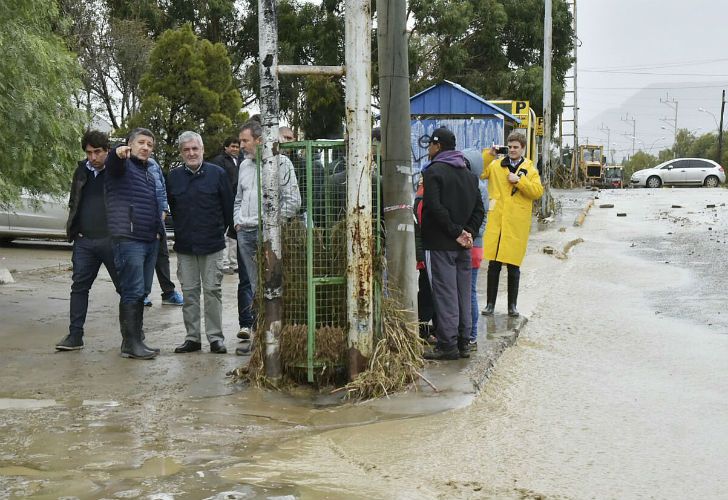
272,249
609,137
634,130
396,155
359,272
720,130
546,144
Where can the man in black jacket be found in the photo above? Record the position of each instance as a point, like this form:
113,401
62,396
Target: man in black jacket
87,229
200,198
451,215
229,160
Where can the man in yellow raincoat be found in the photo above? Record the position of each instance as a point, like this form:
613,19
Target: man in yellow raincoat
513,185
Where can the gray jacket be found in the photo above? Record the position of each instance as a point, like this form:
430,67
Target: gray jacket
245,209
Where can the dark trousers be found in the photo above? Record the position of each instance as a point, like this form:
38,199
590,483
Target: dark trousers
425,307
245,295
134,262
449,272
164,275
495,267
88,255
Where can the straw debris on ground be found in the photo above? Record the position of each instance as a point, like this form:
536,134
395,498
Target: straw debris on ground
397,360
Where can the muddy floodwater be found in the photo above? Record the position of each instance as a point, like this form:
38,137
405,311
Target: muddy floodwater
616,388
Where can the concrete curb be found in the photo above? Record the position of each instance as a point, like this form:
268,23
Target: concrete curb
483,365
582,215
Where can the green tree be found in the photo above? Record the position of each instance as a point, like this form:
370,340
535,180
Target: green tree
189,86
307,34
638,161
493,47
113,54
41,128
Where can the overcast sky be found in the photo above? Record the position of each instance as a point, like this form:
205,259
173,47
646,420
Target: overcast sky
670,45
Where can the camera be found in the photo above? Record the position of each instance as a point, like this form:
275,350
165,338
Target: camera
502,150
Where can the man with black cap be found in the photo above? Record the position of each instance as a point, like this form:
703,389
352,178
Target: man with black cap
452,213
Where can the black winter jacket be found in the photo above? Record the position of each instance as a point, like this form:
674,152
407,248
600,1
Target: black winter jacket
80,175
227,163
452,203
202,207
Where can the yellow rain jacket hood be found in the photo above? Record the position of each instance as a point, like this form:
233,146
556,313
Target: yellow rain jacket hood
509,209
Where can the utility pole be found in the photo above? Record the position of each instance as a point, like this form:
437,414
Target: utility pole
672,103
720,130
634,129
396,154
359,271
609,137
272,247
546,143
574,103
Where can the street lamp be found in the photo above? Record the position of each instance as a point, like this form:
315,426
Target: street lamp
703,110
649,150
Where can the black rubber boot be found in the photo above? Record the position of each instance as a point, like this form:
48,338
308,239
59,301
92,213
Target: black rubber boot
513,279
131,320
492,291
155,349
140,320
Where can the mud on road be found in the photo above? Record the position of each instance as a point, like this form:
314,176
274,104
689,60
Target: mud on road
615,389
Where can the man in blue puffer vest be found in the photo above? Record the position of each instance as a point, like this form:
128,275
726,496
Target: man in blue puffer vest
135,227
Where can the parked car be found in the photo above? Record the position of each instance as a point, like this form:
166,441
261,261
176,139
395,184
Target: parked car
680,172
43,217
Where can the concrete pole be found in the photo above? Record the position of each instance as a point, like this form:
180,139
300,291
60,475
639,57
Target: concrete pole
546,143
396,154
720,130
576,93
272,249
360,244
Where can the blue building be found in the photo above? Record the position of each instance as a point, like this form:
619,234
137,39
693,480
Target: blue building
476,123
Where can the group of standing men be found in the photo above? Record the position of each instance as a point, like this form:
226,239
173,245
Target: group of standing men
451,214
116,218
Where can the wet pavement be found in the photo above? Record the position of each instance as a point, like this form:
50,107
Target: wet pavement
614,388
94,425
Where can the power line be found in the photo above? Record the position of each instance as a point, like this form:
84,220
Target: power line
664,65
657,88
619,72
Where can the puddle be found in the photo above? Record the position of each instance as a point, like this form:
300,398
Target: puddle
26,404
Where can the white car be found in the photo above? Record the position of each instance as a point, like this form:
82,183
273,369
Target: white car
680,172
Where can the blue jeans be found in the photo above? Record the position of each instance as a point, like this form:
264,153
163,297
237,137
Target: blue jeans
474,309
88,255
248,265
135,262
245,295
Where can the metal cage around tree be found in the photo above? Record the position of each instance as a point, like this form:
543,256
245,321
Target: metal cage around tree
314,330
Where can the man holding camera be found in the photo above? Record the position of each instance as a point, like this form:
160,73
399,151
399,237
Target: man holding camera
513,185
451,215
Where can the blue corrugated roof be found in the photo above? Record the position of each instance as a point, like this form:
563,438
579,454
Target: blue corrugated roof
449,98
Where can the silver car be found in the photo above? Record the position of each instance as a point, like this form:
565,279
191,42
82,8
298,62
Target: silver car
680,172
43,217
